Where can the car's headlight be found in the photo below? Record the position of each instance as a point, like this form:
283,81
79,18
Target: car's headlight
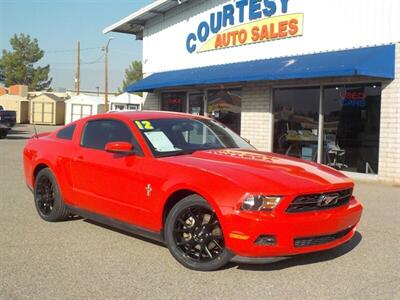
260,202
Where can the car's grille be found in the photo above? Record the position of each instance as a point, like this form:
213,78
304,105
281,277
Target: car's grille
319,240
321,201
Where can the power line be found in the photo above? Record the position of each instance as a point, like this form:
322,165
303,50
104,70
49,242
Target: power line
97,60
71,50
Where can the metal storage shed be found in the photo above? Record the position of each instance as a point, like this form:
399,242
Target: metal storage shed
47,109
82,105
18,104
126,101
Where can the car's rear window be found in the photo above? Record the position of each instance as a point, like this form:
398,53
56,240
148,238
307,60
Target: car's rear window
66,133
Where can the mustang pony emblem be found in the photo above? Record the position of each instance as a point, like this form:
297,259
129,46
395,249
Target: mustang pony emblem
326,200
148,190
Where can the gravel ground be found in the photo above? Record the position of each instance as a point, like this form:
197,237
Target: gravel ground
80,259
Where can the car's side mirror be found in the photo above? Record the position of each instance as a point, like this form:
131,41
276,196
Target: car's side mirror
119,147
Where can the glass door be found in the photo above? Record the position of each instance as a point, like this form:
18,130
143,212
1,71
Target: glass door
296,117
226,107
196,104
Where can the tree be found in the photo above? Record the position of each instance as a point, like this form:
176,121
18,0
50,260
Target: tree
1,75
132,74
18,66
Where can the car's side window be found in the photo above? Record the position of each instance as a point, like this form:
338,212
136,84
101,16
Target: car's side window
67,133
98,133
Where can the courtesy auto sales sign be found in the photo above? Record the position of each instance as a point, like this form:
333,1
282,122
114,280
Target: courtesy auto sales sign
245,22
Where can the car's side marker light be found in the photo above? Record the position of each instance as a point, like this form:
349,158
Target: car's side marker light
238,236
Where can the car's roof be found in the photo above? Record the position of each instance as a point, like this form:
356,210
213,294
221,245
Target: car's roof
149,115
137,115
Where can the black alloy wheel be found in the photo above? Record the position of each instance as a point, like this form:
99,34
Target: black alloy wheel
198,235
45,195
48,199
194,235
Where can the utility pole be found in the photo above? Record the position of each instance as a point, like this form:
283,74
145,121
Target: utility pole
106,72
78,70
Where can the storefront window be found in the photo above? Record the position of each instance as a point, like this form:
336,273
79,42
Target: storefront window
351,127
226,107
296,114
173,102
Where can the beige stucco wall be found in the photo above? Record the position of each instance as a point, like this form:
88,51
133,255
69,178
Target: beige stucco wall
389,147
256,115
18,104
151,101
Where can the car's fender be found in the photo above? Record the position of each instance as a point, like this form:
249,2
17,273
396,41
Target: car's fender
217,191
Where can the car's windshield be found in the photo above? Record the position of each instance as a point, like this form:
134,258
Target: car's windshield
169,137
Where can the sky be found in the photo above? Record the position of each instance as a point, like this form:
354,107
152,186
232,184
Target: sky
59,24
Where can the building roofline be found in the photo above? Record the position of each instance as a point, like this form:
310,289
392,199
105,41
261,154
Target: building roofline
137,19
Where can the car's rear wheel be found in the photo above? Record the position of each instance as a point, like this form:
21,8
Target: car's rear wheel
194,235
48,199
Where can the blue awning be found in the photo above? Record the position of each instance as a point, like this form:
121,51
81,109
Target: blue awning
377,62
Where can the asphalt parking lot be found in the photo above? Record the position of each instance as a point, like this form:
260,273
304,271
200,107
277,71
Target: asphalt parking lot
80,259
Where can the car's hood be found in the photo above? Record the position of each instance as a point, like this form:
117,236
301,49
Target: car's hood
267,171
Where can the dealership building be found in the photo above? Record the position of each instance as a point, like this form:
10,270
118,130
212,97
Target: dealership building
317,80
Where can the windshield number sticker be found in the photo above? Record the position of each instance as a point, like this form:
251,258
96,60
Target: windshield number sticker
144,125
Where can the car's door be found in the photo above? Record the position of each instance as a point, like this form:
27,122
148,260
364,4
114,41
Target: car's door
107,183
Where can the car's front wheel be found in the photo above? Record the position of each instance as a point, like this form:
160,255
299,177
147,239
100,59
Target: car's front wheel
194,235
48,199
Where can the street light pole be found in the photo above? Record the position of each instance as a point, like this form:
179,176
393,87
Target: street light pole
78,70
106,73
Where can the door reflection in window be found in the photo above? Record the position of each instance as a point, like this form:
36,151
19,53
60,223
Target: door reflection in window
226,106
296,122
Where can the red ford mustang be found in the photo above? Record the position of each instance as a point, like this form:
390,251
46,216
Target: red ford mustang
192,183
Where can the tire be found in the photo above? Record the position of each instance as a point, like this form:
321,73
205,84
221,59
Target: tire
48,198
194,235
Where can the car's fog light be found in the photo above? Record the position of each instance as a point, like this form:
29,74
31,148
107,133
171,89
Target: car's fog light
266,240
260,202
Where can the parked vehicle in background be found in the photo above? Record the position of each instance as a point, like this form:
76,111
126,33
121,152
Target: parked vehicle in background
7,117
4,131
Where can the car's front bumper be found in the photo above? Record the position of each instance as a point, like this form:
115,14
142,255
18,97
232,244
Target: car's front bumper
328,228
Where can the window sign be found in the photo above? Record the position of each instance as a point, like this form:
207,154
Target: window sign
160,141
173,102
